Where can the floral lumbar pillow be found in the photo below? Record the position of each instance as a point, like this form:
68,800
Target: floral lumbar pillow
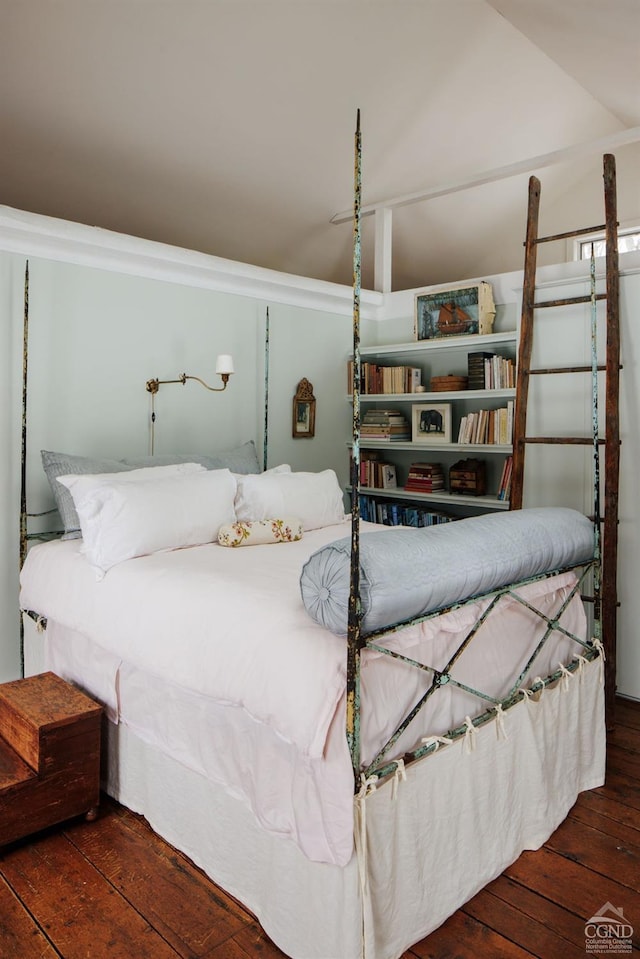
260,532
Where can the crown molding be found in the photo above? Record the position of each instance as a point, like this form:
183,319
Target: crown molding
35,235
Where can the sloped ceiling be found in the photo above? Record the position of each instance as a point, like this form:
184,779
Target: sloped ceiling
226,126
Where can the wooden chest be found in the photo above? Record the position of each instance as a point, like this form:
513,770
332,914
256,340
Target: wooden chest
468,477
49,754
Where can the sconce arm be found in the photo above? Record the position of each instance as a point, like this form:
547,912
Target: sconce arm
154,385
214,389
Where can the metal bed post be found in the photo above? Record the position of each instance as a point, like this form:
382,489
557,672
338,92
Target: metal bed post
23,449
354,642
266,392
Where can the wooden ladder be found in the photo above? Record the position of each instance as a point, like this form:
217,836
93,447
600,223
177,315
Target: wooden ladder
605,593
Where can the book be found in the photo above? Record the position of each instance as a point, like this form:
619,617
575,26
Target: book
425,478
504,487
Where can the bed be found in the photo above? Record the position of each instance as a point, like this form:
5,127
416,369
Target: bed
226,703
351,762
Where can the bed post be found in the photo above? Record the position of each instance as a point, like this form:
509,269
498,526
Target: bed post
355,610
266,393
23,449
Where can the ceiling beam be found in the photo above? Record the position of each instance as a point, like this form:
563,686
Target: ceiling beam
602,145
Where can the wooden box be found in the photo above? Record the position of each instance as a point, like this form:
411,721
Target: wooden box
49,754
468,477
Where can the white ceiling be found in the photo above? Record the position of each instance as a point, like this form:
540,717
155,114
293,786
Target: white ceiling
227,125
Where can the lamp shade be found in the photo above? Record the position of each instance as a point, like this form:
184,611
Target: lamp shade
224,363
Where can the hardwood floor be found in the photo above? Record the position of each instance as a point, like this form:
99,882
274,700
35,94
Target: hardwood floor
113,889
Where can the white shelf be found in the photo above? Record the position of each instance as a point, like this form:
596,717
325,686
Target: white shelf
436,447
452,498
442,396
457,343
437,356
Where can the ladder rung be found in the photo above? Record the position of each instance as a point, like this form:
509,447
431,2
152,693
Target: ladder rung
564,236
568,301
567,369
591,599
562,440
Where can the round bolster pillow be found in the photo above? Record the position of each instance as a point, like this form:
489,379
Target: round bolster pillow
260,532
405,573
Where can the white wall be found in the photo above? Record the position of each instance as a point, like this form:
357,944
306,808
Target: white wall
629,528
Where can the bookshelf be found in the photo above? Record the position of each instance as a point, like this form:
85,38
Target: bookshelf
441,358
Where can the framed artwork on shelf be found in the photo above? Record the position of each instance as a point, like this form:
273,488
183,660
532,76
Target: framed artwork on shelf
431,423
455,311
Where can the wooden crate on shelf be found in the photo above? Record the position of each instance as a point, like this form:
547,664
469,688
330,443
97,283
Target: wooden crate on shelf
469,477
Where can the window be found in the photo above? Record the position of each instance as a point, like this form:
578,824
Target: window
628,241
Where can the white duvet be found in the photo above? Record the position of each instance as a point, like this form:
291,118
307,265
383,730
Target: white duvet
209,653
226,623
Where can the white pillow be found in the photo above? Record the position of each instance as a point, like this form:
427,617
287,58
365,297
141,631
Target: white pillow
283,468
64,464
71,480
316,498
121,519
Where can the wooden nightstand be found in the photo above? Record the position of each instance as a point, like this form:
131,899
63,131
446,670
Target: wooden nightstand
49,755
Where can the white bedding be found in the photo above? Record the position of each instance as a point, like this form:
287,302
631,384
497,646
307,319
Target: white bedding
215,621
489,803
208,654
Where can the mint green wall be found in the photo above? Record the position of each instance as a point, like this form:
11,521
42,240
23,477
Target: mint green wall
11,299
314,345
97,336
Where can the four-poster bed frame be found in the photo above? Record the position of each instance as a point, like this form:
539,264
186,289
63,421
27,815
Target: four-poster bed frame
357,640
396,860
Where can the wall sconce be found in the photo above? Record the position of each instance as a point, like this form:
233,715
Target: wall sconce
224,368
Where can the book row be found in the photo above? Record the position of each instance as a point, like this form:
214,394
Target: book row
490,371
467,476
385,379
488,427
485,371
391,513
377,474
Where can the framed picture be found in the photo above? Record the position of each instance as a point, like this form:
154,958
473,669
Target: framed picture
304,411
431,423
454,311
389,479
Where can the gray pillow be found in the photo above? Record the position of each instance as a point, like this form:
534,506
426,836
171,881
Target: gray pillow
60,464
242,459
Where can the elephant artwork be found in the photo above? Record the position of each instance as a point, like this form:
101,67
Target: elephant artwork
430,421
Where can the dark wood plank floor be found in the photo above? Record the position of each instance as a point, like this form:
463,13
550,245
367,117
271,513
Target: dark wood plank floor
113,889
